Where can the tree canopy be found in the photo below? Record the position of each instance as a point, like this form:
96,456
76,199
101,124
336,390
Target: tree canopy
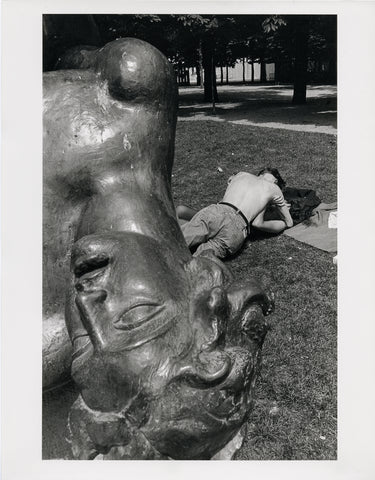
296,44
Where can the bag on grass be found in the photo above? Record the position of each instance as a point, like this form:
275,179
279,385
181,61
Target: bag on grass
302,203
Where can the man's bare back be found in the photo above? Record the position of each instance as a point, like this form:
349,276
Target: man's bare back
252,194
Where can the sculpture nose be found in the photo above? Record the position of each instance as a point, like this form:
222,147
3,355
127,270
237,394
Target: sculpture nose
90,308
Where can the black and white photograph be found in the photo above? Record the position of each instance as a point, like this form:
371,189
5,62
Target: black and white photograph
191,235
190,218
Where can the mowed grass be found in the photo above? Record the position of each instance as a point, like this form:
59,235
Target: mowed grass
294,416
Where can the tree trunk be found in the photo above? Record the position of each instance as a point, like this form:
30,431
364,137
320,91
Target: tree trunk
243,70
301,28
200,65
221,75
213,84
332,70
227,74
252,72
199,77
263,75
210,90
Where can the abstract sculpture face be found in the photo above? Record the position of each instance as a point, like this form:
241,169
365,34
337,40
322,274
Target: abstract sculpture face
172,349
166,347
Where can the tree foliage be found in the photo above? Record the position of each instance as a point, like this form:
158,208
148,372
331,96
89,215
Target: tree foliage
299,45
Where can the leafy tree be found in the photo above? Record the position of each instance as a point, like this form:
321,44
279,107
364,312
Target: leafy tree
295,41
299,45
208,35
61,32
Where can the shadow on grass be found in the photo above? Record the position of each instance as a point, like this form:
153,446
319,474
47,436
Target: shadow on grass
263,104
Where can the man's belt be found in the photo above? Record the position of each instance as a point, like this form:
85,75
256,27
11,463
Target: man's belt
237,211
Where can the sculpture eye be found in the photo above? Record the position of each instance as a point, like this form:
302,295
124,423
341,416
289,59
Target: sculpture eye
90,266
137,315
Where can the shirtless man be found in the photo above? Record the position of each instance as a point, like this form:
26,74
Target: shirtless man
223,227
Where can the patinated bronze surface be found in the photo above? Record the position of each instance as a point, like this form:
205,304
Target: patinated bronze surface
166,347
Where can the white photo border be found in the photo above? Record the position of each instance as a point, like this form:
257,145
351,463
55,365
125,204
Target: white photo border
21,261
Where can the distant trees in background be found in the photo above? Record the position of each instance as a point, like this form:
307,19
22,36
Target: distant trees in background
304,50
302,47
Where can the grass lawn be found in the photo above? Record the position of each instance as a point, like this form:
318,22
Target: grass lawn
294,416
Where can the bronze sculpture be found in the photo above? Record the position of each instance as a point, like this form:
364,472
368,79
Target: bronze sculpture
166,346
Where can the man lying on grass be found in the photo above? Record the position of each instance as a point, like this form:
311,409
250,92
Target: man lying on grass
223,227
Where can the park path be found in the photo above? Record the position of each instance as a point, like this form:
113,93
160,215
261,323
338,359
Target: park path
265,107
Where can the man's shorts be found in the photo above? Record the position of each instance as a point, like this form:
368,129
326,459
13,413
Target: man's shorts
216,227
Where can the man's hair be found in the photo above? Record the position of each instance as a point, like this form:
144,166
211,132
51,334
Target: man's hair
274,171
